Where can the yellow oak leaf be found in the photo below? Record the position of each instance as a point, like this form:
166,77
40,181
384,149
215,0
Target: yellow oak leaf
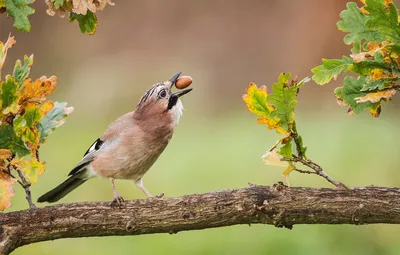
375,97
6,190
37,91
273,123
31,168
289,169
286,173
256,102
46,107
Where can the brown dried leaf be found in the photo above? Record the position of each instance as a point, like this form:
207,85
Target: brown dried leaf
82,6
3,50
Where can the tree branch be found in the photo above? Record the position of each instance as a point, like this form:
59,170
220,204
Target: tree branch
277,205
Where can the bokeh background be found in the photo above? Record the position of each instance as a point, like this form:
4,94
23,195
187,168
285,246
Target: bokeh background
223,45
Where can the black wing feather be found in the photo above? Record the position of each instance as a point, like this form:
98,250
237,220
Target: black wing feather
83,163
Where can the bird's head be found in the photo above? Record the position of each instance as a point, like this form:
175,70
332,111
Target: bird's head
159,100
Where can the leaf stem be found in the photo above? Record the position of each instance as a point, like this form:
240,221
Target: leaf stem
295,137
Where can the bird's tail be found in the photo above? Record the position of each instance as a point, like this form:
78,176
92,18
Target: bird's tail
64,188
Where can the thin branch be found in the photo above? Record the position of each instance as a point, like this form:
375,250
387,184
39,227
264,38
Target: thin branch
304,171
318,170
26,185
277,205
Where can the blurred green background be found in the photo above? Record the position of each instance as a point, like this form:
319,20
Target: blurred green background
218,143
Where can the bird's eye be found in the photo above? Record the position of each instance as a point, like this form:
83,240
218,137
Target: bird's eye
162,93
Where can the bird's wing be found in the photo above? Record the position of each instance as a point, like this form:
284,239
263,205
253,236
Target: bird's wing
111,136
90,154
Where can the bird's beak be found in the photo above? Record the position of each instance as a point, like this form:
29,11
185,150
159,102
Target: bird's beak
174,78
181,93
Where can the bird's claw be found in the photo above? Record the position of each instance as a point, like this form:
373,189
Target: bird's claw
160,196
117,202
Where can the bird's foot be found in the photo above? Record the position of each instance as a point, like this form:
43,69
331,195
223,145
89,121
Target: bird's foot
118,201
160,196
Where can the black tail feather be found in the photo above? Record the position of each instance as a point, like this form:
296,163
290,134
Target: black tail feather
62,190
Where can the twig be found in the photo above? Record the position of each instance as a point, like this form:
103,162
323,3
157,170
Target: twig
26,184
307,162
304,171
318,170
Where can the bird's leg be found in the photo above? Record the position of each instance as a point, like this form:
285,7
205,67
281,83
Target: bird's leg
139,184
118,200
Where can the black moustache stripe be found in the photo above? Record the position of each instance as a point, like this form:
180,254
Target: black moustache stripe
172,102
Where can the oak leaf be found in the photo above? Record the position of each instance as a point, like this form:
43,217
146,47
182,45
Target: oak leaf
31,168
20,10
37,91
375,97
3,50
5,154
6,190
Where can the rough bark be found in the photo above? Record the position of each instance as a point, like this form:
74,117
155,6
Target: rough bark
277,205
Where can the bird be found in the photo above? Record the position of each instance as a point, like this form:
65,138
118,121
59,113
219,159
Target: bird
130,145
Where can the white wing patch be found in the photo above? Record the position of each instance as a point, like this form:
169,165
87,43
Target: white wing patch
94,147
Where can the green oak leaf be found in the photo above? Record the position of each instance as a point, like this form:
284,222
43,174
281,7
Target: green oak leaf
284,101
286,149
87,23
394,48
383,18
8,92
22,70
19,124
350,91
379,84
53,119
353,21
302,147
365,67
32,115
330,69
9,140
20,10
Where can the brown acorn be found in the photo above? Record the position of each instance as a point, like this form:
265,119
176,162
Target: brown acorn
183,82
